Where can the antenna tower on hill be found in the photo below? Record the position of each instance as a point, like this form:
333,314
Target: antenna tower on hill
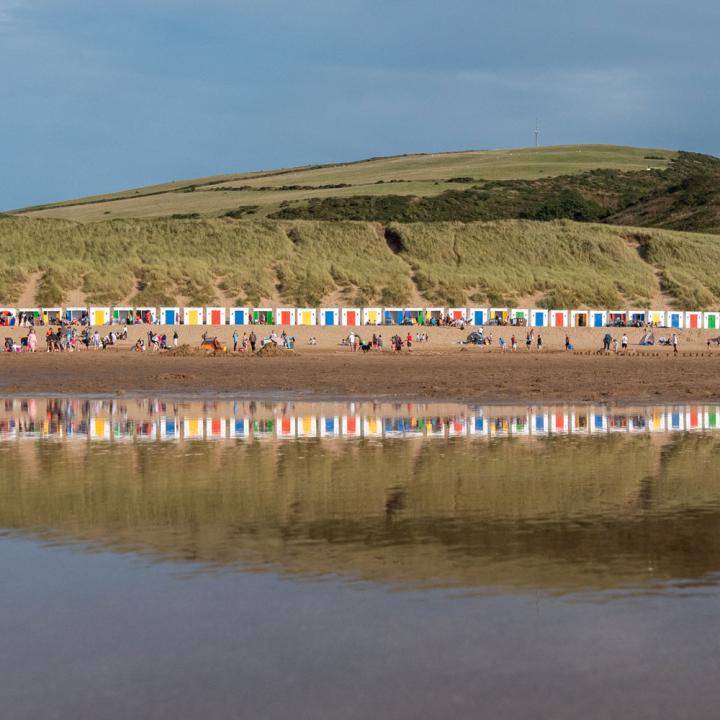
536,133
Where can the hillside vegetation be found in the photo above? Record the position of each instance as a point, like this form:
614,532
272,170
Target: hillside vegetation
257,195
557,263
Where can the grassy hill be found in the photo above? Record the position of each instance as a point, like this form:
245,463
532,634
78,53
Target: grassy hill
261,194
557,263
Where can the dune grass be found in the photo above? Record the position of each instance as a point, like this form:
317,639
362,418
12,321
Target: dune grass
557,264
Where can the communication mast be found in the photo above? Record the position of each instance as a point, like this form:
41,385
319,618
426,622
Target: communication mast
536,133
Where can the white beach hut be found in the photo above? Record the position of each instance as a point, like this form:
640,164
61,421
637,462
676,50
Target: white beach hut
329,317
215,316
306,316
478,316
520,317
693,319
193,316
656,318
598,318
350,317
99,315
239,316
539,318
75,314
579,318
169,315
123,315
711,320
372,316
558,318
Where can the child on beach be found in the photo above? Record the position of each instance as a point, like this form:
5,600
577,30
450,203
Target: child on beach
539,343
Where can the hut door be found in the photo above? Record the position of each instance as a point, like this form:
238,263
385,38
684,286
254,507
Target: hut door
352,318
214,317
329,317
711,322
693,321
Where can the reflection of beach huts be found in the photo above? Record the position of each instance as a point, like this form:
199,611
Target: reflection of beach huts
558,318
656,421
306,316
712,417
99,316
393,316
193,428
75,314
520,316
239,316
477,426
169,316
693,320
193,316
215,428
711,320
539,318
372,427
351,426
693,419
263,429
285,427
263,316
559,423
675,319
675,419
239,428
656,318
306,426
329,317
329,426
350,316
457,427
285,316
498,316
169,428
122,315
478,316
580,421
579,318
215,316
372,316
99,429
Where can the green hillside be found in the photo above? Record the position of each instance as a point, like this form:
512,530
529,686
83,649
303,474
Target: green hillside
261,194
557,263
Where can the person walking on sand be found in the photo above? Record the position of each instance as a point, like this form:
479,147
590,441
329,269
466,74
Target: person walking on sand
615,345
176,337
253,340
607,339
528,339
624,342
539,342
32,340
568,344
675,343
235,337
513,343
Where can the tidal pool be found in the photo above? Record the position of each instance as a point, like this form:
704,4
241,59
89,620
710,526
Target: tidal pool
164,558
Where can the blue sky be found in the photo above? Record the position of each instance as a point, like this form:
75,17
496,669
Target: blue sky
101,95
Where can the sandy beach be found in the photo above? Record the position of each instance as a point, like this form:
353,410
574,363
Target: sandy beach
440,369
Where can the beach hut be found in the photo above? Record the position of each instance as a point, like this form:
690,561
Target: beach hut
76,314
169,315
617,318
215,316
456,313
711,321
712,417
306,316
99,316
193,316
539,318
598,318
285,427
477,426
434,315
285,316
169,428
674,319
123,315
693,320
498,316
579,318
559,423
520,317
413,316
656,421
638,318
146,315
478,316
372,316
393,316
675,419
50,315
329,317
350,316
193,428
598,421
580,421
8,317
372,427
656,318
28,313
498,426
558,318
520,425
239,316
263,316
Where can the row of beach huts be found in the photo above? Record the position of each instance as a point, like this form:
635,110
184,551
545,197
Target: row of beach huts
286,316
536,423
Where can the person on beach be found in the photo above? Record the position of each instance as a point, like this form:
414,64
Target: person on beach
675,343
503,344
513,343
253,340
409,341
568,344
539,343
615,345
236,338
528,339
607,339
31,340
624,342
176,337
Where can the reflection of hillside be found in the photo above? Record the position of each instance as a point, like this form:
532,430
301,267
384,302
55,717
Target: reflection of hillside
556,514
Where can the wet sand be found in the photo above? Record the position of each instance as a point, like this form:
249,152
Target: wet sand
438,373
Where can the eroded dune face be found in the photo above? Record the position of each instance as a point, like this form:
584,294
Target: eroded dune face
558,514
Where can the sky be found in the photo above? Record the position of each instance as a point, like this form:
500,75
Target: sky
102,95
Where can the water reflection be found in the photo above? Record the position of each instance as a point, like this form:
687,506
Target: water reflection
107,420
575,499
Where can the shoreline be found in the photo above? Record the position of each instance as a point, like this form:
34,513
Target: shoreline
450,374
